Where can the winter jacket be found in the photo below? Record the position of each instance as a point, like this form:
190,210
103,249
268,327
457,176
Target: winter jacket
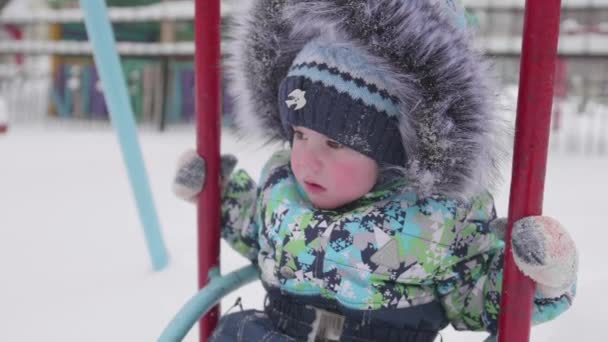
406,260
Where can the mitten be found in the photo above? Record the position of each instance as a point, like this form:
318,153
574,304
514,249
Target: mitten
190,175
544,251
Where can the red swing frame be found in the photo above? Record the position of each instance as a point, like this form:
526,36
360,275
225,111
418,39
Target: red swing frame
532,126
539,53
208,130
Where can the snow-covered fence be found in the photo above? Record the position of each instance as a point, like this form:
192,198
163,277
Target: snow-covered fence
172,11
24,90
581,80
35,45
579,125
580,128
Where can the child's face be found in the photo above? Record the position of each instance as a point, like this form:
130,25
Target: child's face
331,174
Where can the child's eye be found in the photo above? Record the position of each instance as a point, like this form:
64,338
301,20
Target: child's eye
298,135
334,144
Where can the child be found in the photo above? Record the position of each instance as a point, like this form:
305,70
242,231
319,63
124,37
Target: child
375,224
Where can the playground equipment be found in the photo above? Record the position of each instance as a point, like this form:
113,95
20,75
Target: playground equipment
207,94
103,47
104,51
540,38
205,300
539,53
533,124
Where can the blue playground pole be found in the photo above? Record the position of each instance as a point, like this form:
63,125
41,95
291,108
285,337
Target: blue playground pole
108,65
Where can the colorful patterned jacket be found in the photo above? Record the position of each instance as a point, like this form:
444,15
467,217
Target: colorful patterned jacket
425,262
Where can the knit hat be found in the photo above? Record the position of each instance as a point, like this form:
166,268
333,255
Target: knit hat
333,90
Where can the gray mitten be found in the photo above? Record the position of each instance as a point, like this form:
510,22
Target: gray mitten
191,170
544,251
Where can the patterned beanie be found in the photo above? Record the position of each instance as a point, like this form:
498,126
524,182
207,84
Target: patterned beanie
334,90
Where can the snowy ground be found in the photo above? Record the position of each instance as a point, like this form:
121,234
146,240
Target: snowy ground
73,261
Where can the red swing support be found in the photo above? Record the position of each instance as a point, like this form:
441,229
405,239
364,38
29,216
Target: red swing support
208,130
538,58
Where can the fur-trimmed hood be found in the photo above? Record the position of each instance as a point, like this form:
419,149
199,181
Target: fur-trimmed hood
450,129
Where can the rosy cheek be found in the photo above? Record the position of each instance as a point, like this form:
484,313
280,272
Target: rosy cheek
342,173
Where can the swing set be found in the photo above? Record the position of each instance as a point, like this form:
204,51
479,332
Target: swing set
539,54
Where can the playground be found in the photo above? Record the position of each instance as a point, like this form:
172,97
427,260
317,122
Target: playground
74,198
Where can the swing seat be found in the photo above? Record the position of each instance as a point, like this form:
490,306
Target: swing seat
205,299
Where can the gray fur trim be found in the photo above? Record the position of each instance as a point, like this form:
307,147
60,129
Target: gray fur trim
451,132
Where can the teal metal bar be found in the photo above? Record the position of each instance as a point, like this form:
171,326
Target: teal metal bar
110,71
206,299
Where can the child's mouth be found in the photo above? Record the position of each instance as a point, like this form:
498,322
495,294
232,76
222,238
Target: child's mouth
313,188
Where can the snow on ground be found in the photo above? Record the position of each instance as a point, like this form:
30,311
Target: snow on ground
74,265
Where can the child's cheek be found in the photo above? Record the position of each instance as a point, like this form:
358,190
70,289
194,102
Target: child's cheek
354,177
345,173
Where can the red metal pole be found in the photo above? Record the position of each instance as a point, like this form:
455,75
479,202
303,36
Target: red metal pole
207,82
17,34
539,53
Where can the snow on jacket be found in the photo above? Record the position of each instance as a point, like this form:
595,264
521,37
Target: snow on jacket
400,258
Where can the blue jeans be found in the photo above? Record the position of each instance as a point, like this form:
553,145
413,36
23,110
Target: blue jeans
246,326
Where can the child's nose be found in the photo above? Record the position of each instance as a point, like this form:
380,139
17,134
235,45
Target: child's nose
313,160
315,164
